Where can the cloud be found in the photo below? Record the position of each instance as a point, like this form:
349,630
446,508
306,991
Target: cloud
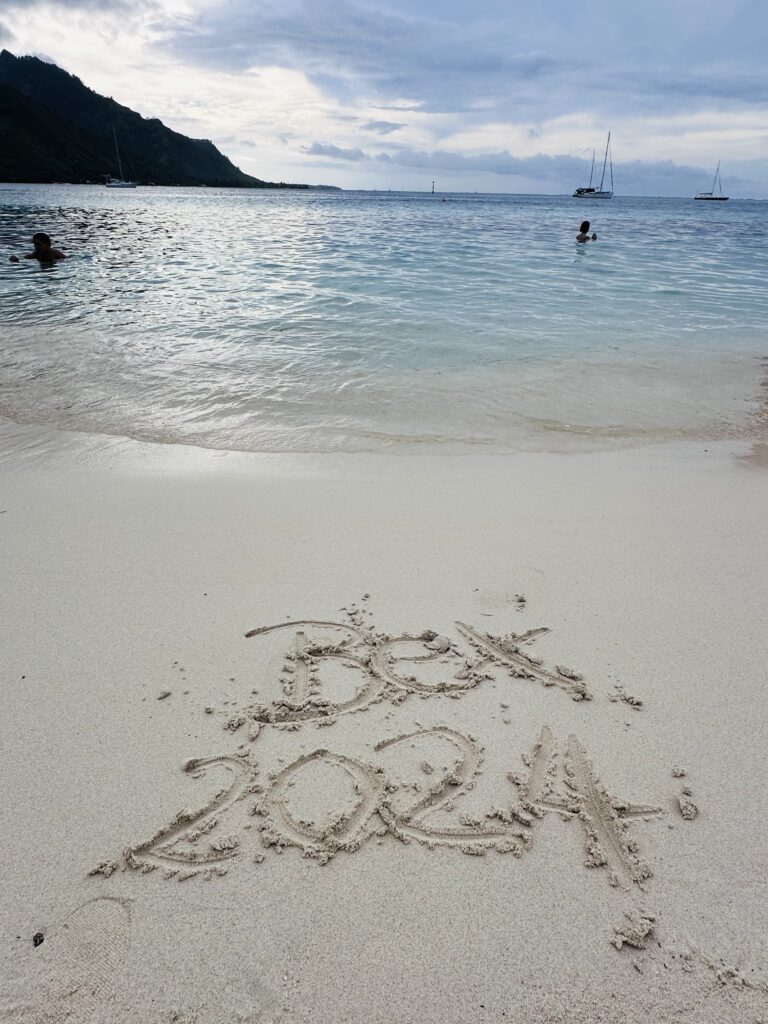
559,173
334,152
503,162
46,58
503,96
99,5
500,57
548,168
5,34
224,142
382,127
669,90
355,47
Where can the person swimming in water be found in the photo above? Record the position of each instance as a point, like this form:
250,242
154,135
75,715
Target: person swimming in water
584,235
42,251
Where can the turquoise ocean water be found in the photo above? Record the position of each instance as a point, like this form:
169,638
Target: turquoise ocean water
271,321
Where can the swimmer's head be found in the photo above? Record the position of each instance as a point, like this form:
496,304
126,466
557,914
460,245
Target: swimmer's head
584,227
41,242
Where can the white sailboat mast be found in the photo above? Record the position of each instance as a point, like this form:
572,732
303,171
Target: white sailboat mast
592,171
605,161
117,151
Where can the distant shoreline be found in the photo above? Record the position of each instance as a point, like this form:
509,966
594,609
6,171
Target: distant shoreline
300,187
281,186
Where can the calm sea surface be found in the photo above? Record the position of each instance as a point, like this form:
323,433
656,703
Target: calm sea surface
271,321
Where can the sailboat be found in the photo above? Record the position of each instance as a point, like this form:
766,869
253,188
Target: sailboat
119,182
719,197
588,191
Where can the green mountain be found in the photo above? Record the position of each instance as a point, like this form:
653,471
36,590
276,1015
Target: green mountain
54,128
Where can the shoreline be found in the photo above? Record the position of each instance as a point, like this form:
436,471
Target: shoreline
42,445
686,410
134,569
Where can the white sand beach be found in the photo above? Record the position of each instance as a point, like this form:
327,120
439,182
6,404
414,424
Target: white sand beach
566,826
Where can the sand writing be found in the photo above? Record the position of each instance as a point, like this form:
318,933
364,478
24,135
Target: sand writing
390,668
508,651
376,666
204,842
184,847
326,802
605,819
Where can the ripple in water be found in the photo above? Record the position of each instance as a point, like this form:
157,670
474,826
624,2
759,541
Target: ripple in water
269,321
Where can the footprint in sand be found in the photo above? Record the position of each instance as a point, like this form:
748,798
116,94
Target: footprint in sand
260,1006
68,977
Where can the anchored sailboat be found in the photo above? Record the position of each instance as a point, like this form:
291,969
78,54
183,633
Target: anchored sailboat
712,196
119,182
588,191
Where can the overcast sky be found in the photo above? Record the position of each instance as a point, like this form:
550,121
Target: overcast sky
495,96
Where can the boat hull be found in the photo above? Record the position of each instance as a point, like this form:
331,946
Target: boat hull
712,199
122,184
592,195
